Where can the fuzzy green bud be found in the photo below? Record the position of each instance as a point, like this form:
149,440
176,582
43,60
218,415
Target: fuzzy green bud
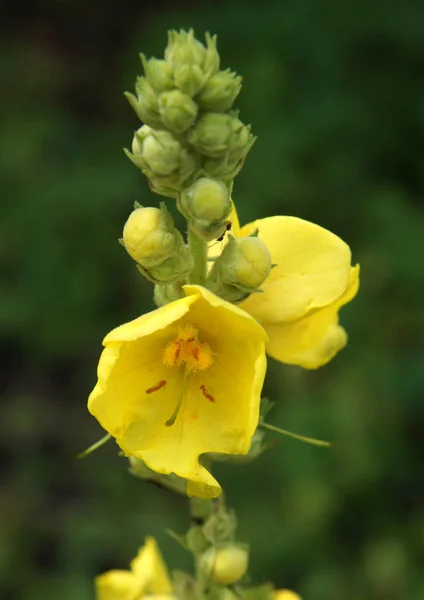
225,167
206,205
226,564
177,110
145,104
191,63
151,239
217,133
195,539
220,91
243,266
163,160
158,74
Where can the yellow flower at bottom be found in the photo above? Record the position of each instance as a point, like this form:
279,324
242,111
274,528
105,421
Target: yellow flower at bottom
285,595
182,381
313,278
148,576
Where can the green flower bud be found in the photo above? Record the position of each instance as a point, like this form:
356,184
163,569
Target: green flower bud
220,91
206,205
243,266
196,541
163,160
190,61
151,239
145,104
158,74
218,133
225,167
178,111
225,565
146,236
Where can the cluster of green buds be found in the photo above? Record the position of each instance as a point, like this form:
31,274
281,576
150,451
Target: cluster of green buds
190,131
191,146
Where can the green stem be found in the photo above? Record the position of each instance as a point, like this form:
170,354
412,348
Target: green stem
94,446
198,248
296,436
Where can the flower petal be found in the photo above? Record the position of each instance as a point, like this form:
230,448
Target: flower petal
117,585
149,568
312,271
136,394
315,339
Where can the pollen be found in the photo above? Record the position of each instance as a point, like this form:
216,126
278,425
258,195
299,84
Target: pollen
188,350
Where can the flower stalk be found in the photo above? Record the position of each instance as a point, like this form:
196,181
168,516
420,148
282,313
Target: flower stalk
180,387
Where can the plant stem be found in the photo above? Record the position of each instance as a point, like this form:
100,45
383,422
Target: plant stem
296,436
199,251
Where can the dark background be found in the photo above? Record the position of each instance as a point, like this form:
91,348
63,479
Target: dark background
334,91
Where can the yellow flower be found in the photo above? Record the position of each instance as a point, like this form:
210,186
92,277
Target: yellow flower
182,381
285,595
148,576
313,278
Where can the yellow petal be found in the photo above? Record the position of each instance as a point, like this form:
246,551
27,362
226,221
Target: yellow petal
285,595
315,339
131,367
148,575
313,267
149,568
117,585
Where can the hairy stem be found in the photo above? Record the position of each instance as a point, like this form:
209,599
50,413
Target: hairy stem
199,251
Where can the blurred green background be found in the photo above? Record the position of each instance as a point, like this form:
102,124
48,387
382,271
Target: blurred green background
335,93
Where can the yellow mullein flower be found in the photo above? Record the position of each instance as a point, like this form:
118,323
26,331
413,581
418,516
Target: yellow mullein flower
182,381
148,576
313,278
285,595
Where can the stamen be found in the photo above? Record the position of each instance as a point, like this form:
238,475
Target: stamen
188,350
156,387
174,415
206,394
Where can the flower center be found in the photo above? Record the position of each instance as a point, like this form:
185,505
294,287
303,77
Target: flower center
188,350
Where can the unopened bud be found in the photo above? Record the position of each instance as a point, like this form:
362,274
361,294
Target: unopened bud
217,133
226,564
163,160
226,167
190,61
151,239
158,74
243,266
146,235
177,110
196,541
206,205
220,91
145,104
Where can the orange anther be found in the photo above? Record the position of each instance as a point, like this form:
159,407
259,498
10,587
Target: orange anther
206,394
196,353
156,387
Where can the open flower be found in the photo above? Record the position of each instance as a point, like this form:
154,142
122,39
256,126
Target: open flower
148,577
182,381
313,278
